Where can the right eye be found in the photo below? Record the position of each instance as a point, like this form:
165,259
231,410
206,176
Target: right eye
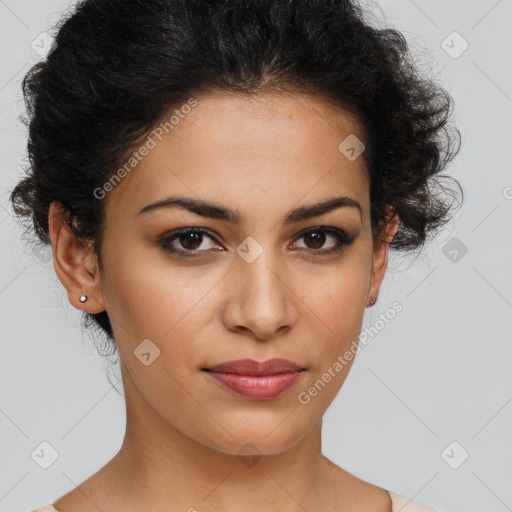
190,239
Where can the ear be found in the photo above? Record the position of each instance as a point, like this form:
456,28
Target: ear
380,252
75,262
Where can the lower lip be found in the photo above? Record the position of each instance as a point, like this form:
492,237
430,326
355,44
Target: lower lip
256,387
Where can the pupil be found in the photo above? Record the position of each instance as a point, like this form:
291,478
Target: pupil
318,239
193,238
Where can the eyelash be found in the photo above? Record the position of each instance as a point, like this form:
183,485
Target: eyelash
341,237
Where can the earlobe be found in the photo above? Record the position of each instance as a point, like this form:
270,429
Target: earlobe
75,262
380,257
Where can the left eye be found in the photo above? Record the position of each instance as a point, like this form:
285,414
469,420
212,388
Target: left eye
316,237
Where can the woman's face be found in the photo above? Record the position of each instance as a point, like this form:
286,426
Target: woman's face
258,288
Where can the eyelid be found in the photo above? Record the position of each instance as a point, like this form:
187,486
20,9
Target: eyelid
341,236
326,229
176,233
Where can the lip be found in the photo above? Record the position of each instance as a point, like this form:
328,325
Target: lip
258,381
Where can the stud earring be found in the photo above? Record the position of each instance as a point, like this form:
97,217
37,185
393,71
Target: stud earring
83,298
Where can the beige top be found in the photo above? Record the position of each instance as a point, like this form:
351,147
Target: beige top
400,504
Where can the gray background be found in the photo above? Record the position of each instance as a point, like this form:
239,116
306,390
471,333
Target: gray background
439,372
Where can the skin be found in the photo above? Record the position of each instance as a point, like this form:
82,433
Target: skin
262,156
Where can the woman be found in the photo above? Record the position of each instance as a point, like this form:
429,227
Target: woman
221,182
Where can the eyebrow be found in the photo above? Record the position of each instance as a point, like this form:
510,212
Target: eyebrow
216,211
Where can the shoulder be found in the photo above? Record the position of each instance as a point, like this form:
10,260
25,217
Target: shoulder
404,504
45,508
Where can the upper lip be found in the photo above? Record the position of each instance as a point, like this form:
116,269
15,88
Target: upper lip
251,367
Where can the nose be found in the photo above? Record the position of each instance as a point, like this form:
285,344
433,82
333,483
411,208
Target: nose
261,301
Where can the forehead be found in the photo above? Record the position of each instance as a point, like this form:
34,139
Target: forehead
255,145
273,119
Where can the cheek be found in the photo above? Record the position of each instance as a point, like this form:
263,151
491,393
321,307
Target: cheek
337,296
336,306
340,307
153,298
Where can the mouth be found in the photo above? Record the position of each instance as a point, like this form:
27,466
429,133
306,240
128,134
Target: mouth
254,380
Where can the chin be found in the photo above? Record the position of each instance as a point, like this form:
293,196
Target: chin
254,442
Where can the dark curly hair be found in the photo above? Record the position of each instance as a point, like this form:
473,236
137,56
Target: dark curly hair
120,66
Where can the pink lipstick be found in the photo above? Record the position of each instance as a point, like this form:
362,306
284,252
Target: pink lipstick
258,381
